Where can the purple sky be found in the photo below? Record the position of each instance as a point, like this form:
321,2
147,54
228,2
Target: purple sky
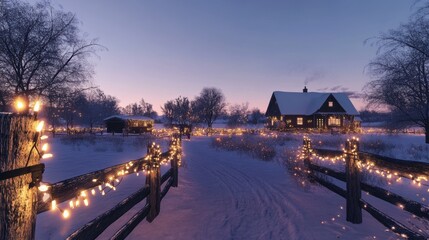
159,50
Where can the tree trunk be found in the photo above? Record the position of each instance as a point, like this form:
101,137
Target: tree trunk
18,202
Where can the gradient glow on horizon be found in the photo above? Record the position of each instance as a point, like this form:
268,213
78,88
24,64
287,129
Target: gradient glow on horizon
160,50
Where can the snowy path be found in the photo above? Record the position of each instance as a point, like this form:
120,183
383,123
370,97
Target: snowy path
225,195
221,195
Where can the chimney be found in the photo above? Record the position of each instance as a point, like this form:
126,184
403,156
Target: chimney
305,89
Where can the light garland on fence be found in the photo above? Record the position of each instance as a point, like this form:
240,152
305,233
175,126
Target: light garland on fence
367,166
152,160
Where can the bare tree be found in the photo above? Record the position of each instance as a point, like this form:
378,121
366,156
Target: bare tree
133,109
98,106
238,114
140,109
182,110
401,73
255,116
178,111
168,110
209,105
41,49
148,109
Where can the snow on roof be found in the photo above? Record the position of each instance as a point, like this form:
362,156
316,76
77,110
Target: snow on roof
129,117
298,103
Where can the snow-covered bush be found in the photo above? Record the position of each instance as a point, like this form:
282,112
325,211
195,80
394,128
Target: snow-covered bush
253,145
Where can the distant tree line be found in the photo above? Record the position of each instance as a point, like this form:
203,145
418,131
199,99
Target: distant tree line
206,108
141,108
87,108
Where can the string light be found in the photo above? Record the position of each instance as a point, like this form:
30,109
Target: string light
43,187
36,107
20,104
352,148
39,127
152,159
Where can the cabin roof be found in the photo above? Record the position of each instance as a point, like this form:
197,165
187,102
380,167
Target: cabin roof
301,103
129,117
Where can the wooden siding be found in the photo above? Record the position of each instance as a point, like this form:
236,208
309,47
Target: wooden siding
336,108
273,109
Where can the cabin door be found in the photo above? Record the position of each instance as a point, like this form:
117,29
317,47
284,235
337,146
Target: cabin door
320,123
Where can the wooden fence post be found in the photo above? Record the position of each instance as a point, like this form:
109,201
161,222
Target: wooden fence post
306,150
154,180
174,150
18,199
354,210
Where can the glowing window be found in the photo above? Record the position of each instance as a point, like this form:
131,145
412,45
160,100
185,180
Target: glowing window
334,121
330,104
299,121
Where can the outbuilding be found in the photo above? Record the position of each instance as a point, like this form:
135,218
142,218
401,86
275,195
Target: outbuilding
128,124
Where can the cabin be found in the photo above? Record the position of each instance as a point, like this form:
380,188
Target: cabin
128,124
292,110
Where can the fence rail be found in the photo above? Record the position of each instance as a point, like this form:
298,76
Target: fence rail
355,203
151,191
21,175
406,168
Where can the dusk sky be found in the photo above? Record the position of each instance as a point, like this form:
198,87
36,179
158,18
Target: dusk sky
159,50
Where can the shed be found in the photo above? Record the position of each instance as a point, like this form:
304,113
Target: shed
128,124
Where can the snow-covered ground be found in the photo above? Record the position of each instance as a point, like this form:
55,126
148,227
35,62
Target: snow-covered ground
221,194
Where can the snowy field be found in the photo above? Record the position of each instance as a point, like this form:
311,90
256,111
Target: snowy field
223,194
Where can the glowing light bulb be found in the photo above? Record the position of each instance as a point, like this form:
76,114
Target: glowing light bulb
53,204
66,214
43,187
20,104
36,107
45,147
86,202
40,126
47,155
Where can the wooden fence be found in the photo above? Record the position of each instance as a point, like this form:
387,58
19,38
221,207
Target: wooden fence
355,162
21,172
